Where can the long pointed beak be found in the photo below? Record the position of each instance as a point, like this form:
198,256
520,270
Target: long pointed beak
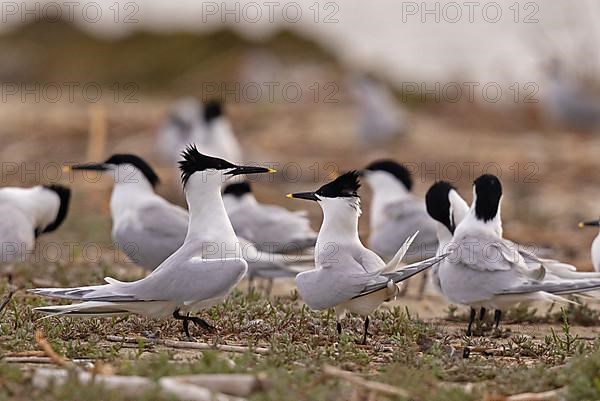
592,223
250,170
90,166
304,195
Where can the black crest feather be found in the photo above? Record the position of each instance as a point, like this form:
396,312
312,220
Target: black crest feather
212,109
64,194
489,191
238,189
194,161
438,203
394,168
138,163
345,185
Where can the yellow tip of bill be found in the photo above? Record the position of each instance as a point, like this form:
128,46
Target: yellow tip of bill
289,196
580,225
66,169
272,170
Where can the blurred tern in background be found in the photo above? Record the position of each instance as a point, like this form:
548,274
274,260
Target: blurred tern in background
205,126
28,213
148,228
568,102
487,271
396,214
348,276
271,228
183,126
380,117
219,139
595,244
186,281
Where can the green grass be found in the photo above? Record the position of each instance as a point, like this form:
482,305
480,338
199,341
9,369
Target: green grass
424,358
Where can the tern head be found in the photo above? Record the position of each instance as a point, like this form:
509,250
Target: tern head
127,168
213,109
201,168
64,196
445,205
383,173
343,191
487,195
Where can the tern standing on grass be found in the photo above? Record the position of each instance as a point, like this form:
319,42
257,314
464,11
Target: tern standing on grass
148,228
185,282
396,213
348,276
28,213
486,271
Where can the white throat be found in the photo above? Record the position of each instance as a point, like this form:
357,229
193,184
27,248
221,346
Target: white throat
340,221
209,222
131,190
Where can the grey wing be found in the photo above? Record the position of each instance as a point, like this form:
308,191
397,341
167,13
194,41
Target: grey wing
157,233
369,260
403,274
403,219
559,287
485,252
187,281
271,227
333,284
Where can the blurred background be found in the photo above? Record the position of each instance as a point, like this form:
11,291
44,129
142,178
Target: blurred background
451,89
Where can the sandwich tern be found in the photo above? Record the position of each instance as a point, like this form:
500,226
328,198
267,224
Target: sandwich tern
484,270
271,228
28,213
347,275
186,281
380,118
396,213
148,228
183,126
204,125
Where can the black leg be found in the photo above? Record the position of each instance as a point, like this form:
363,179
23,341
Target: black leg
186,327
195,319
482,312
339,328
471,319
186,322
202,323
497,317
425,279
366,331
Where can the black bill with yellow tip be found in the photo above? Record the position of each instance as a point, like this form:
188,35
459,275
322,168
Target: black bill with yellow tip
304,195
238,170
592,223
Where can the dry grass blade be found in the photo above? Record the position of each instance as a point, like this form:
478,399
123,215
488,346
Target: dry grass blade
191,345
50,353
7,300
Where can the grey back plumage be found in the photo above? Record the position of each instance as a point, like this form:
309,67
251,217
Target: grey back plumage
402,219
